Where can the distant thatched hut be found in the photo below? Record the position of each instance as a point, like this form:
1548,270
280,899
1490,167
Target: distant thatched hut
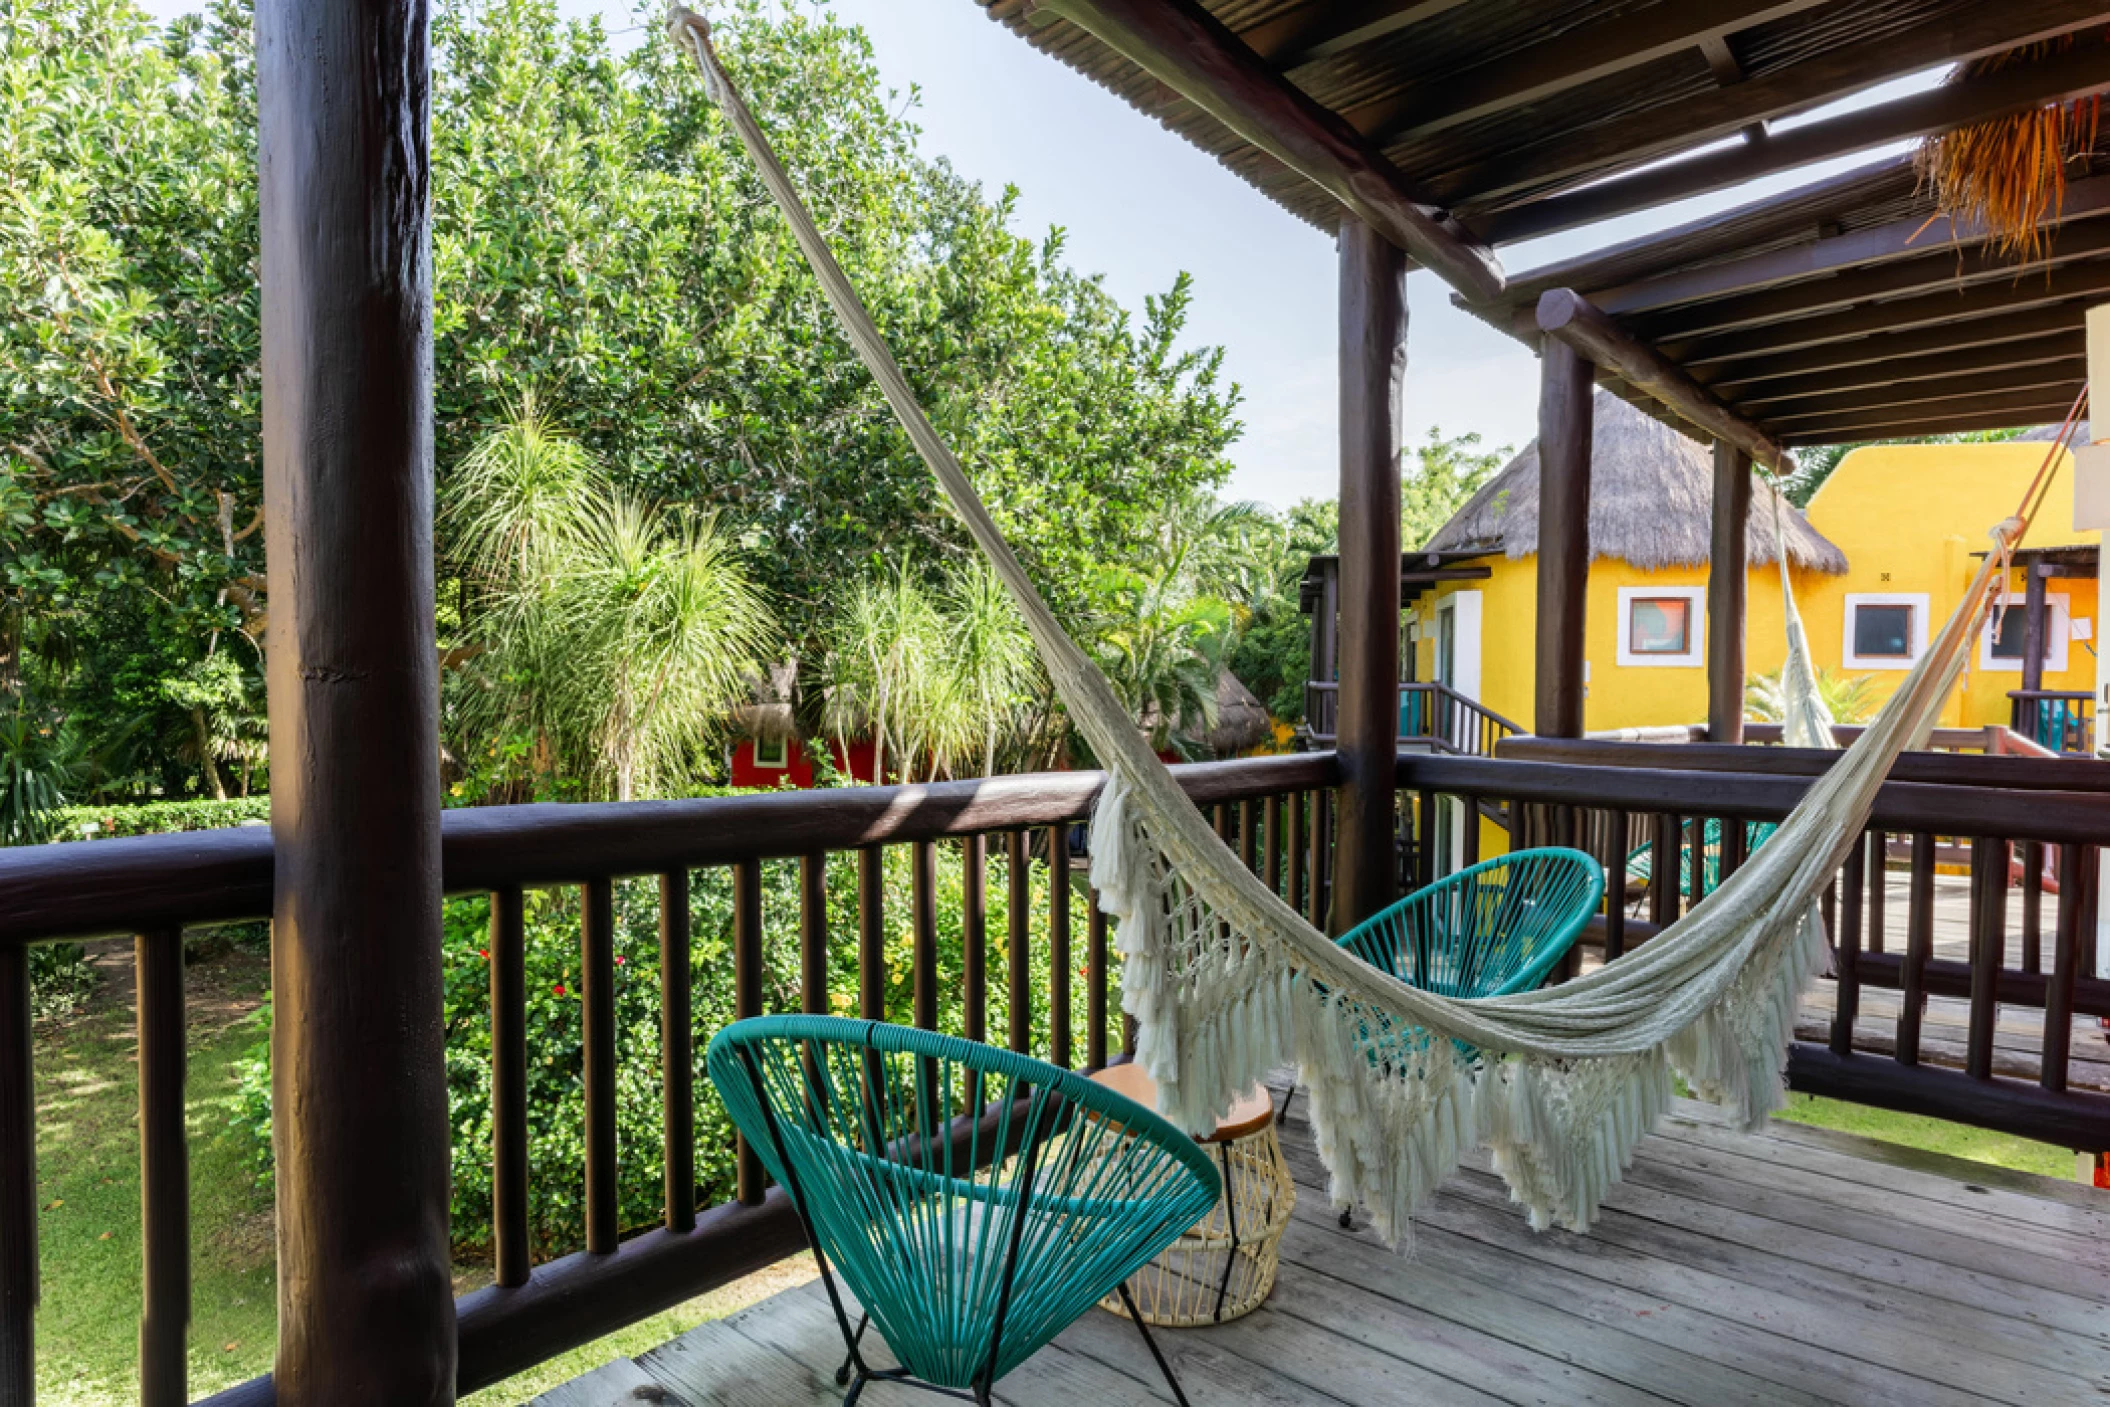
1651,512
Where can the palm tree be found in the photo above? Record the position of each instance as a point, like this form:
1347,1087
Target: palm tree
1163,648
621,633
994,666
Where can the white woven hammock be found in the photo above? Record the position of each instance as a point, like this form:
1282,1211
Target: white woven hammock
1227,982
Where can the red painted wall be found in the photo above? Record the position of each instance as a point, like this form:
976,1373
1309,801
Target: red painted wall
798,772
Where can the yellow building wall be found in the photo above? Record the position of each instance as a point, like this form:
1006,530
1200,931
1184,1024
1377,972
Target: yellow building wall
1908,518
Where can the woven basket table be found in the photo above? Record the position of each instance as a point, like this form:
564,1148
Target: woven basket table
1224,1265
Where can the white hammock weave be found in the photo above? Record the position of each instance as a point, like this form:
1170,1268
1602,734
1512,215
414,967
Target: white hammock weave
1226,982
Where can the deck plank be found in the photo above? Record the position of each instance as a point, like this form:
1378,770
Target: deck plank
1792,1267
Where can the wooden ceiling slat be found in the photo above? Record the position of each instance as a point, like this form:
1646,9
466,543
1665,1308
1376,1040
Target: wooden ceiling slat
2018,410
2060,78
1910,237
1184,45
1926,309
1322,29
2031,377
1757,398
1507,178
1882,348
1946,269
1582,54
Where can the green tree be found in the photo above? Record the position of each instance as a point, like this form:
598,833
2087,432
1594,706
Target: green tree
1437,481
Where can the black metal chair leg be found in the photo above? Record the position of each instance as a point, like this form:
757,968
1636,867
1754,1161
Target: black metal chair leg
842,1374
1128,1303
856,1390
1348,1218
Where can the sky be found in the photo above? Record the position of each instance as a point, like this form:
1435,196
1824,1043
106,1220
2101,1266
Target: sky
1140,205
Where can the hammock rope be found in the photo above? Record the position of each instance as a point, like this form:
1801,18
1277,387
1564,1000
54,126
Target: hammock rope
1227,982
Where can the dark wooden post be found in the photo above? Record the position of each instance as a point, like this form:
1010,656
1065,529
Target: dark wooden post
1727,560
1373,365
1566,415
2033,635
366,1300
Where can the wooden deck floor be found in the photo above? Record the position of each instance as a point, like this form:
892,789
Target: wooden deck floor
1788,1269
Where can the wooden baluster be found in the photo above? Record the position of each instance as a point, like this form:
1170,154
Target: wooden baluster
1095,983
923,923
1271,844
1059,940
1315,865
1469,842
18,1183
1428,865
1248,837
1878,887
1663,869
1220,817
813,933
597,1022
1735,845
1615,885
1299,853
2032,906
1988,950
871,934
1696,871
1018,957
509,1133
747,993
164,1172
1848,950
677,1050
2076,876
1919,946
974,936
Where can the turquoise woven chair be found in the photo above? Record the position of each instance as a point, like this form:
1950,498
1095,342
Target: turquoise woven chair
1490,929
1486,931
1640,861
976,1202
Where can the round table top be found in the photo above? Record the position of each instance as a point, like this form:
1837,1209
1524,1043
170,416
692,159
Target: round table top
1247,1117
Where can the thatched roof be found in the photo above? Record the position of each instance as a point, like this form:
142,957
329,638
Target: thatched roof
1242,723
1651,495
2046,434
768,715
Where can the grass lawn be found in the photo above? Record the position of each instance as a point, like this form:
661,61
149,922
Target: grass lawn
1932,1135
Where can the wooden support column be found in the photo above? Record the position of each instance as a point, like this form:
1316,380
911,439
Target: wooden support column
1566,416
366,1300
1727,578
2033,632
1373,365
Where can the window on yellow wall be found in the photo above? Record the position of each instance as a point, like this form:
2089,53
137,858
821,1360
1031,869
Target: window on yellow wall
1885,630
1661,626
2001,647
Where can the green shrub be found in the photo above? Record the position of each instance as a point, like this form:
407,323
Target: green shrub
555,1097
156,818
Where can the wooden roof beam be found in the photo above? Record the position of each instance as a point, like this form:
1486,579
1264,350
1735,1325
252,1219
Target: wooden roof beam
2060,78
1883,349
1569,60
1996,412
1899,371
1910,237
1642,136
1567,315
2073,281
1321,29
1982,381
1185,47
1949,269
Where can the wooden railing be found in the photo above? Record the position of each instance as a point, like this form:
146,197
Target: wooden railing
1431,715
1613,798
2059,719
1274,811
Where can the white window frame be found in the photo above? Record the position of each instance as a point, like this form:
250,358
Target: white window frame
2058,629
1694,655
783,755
1920,603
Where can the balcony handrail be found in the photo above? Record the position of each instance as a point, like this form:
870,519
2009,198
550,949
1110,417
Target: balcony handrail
93,888
2039,771
1487,727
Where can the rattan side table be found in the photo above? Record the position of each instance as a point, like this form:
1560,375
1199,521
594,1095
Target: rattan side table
1224,1265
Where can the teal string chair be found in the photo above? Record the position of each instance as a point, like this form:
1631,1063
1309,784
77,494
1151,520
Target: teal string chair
975,1201
1486,931
1640,861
